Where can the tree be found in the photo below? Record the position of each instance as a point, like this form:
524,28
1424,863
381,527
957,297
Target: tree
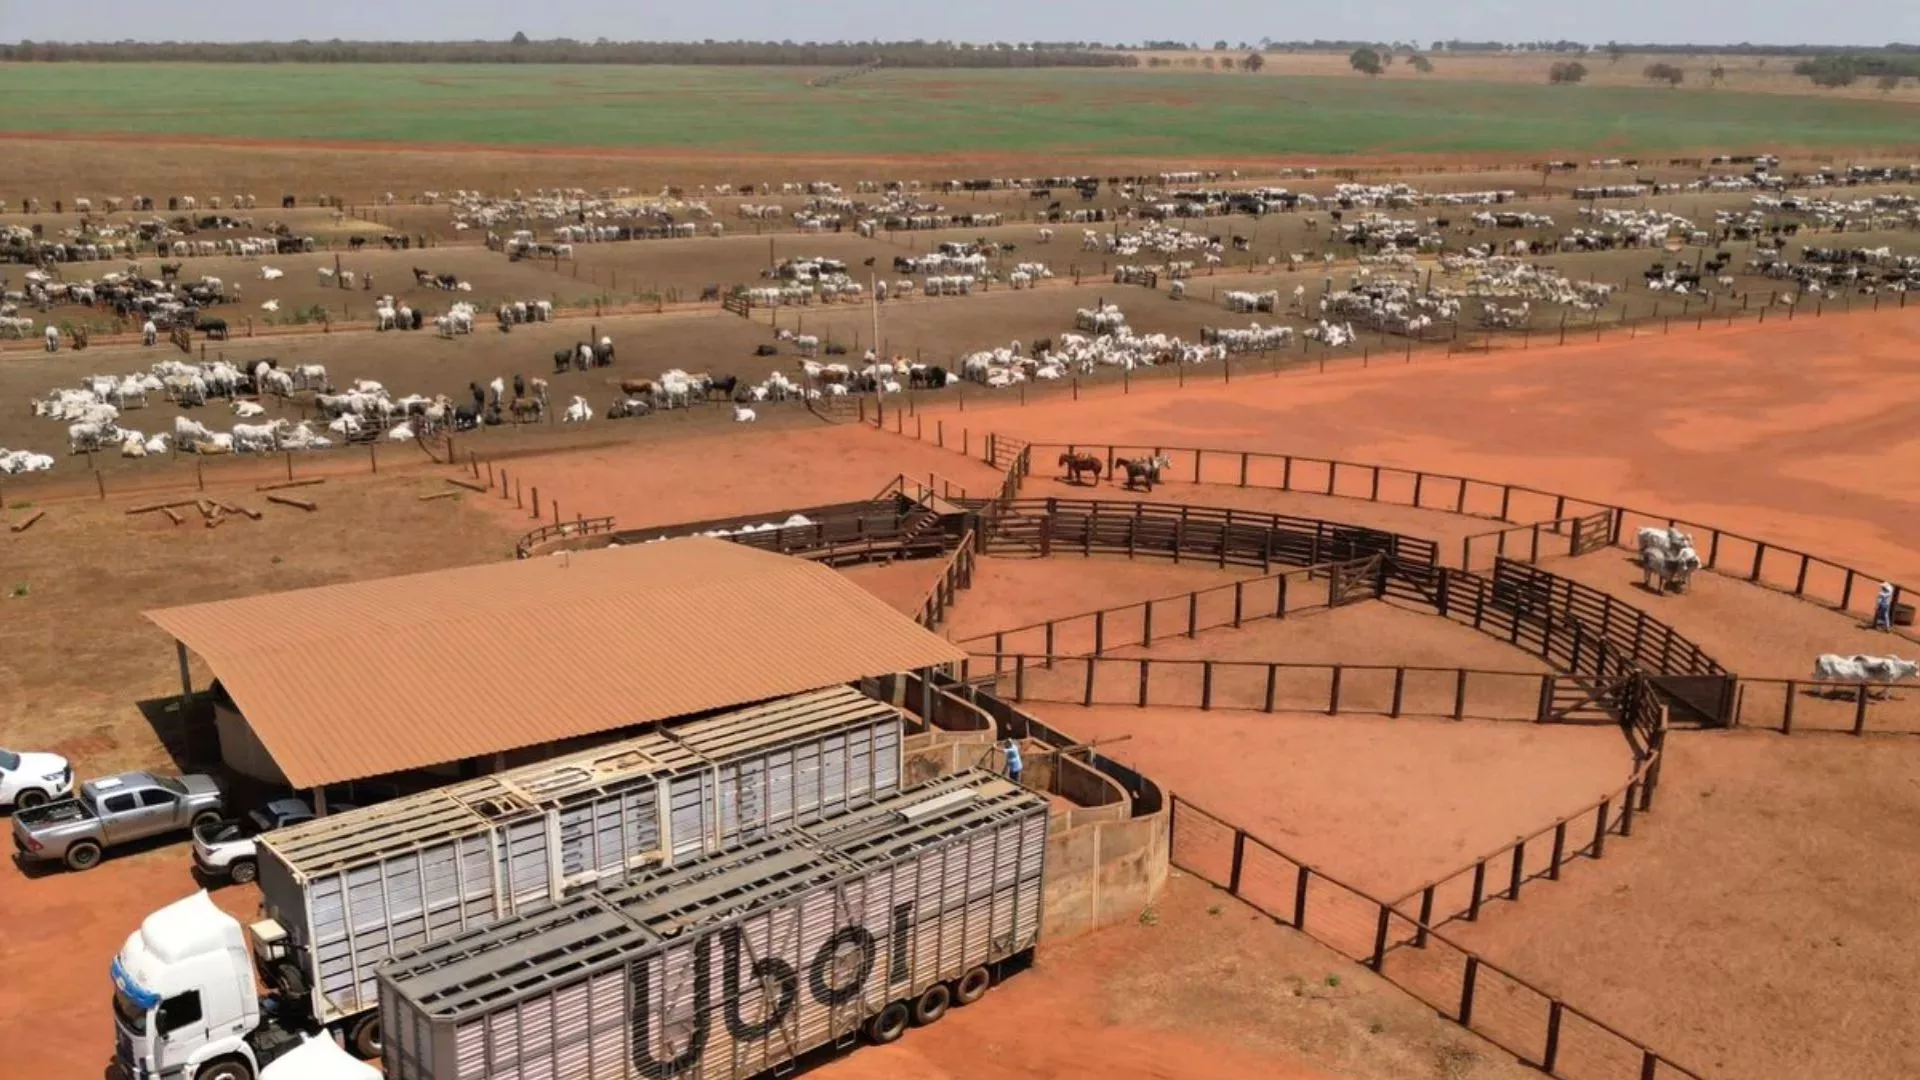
520,37
1220,46
1226,63
1614,52
1420,64
1888,83
1829,71
1366,60
1253,62
1670,74
1566,72
1717,74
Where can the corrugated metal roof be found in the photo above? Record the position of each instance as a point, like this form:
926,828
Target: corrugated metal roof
350,681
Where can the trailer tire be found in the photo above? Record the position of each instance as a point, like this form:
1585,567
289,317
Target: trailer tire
226,1068
889,1023
84,855
972,986
932,1004
363,1037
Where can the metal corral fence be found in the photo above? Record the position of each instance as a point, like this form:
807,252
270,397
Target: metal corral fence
957,575
1528,1022
1270,596
1776,566
1281,686
1219,536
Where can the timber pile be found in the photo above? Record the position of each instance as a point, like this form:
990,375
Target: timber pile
288,500
212,511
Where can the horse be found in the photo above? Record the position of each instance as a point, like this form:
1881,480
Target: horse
1075,464
1144,472
525,409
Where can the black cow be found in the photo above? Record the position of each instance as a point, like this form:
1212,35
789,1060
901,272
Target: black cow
562,360
216,329
766,350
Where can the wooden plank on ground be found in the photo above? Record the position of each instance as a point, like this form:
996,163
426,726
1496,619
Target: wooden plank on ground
438,495
151,507
278,484
288,500
28,524
168,510
470,485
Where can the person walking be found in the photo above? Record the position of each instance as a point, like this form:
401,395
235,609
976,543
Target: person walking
1883,607
1014,765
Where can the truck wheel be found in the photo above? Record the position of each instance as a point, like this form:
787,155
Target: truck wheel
243,871
972,986
932,1005
225,1069
205,817
889,1023
29,799
84,855
363,1037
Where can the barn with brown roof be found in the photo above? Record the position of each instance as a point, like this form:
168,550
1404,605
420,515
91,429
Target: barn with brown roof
412,681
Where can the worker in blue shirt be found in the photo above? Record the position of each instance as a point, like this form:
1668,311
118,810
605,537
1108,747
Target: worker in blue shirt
1013,760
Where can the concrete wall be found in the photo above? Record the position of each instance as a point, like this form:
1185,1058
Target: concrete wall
1102,874
941,753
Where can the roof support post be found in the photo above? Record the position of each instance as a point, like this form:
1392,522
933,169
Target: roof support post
186,681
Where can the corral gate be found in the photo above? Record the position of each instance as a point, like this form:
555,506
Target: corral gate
738,304
1592,532
1695,699
1350,582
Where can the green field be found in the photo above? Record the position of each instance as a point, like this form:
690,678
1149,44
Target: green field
1059,112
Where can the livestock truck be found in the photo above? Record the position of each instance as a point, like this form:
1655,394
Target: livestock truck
342,894
742,962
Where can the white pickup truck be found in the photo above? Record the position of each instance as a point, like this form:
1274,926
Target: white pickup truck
225,849
30,779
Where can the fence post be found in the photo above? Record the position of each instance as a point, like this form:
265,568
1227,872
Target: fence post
1467,979
1301,878
1099,632
1626,810
1459,693
1551,1057
1479,890
1786,716
1601,814
1091,661
1399,686
1239,596
1559,849
1206,685
1239,860
1426,917
1649,1064
1145,676
1273,671
536,502
1519,872
1146,623
1860,709
1333,693
1380,926
1019,677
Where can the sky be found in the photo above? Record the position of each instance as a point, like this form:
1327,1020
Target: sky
1830,22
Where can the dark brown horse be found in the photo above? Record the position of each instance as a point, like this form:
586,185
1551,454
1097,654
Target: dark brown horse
1142,473
1075,464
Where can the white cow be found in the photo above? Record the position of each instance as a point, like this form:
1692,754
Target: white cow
579,412
744,415
1668,540
1674,567
1883,671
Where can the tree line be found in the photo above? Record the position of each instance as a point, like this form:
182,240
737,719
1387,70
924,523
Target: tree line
521,50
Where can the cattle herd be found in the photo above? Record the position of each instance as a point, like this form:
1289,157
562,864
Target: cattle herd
1389,258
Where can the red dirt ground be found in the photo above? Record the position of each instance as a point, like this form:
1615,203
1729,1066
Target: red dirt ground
1385,805
1208,989
1760,429
1758,924
733,472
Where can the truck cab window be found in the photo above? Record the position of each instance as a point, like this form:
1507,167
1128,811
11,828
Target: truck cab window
155,797
181,1010
120,804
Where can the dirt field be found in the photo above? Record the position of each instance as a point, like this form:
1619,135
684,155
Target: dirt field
1385,805
1758,924
1203,987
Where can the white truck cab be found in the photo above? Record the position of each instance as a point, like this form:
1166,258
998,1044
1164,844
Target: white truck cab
184,1001
319,1058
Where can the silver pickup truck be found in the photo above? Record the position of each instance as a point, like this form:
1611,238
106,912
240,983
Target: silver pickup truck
111,811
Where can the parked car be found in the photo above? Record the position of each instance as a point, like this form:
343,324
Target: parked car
225,848
111,811
27,780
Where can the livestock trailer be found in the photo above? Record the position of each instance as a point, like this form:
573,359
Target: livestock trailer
344,893
741,962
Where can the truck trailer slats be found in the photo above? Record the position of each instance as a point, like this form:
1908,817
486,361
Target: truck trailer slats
737,962
356,888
